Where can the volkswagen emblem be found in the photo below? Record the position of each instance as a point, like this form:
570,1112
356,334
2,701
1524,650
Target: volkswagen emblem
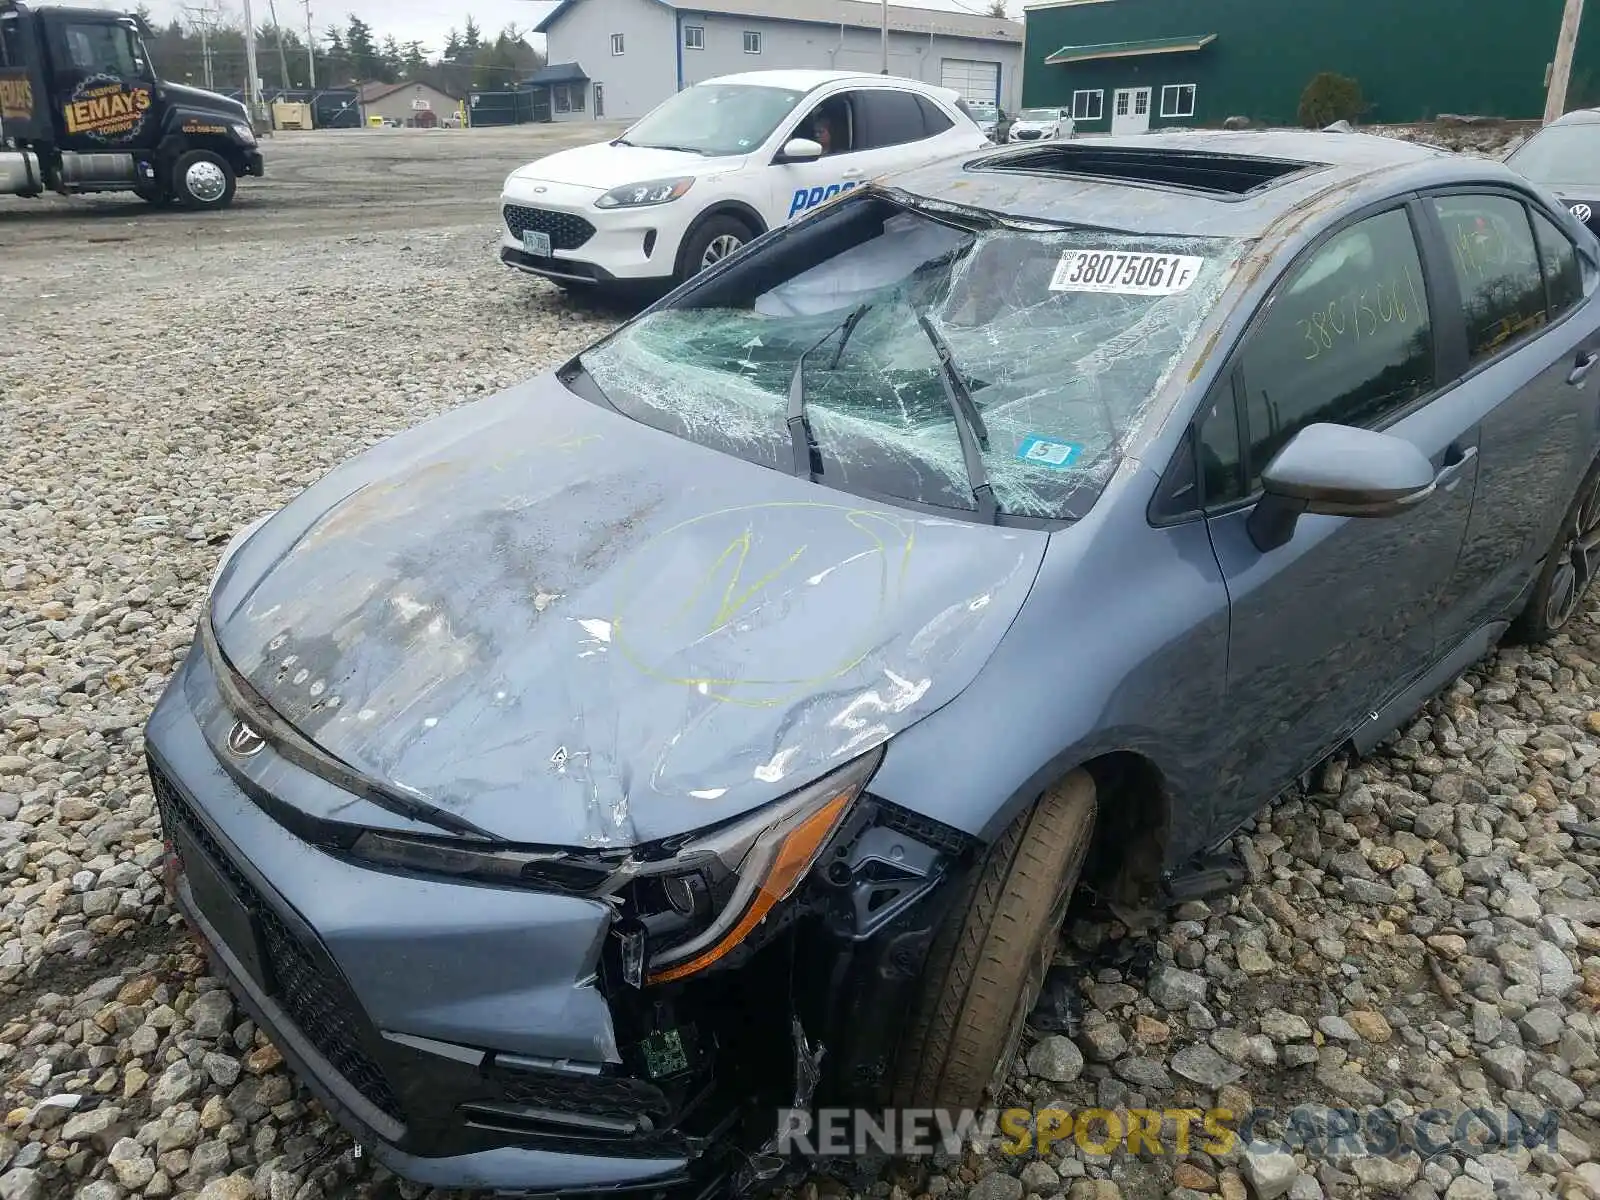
244,741
1583,212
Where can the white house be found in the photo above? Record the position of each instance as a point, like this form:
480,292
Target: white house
620,58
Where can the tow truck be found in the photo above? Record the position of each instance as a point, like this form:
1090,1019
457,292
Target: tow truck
82,110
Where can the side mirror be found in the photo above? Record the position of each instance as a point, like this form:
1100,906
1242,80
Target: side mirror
800,150
1338,471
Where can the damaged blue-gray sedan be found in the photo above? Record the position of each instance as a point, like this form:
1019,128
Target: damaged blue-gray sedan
725,719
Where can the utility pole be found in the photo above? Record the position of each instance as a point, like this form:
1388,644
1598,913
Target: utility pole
252,89
1561,71
885,70
311,49
277,31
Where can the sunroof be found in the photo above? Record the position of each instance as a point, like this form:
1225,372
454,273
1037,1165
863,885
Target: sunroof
1221,175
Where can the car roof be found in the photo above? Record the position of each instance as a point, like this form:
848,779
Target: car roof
805,81
1195,182
1578,116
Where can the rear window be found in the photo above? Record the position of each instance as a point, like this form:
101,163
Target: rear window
1063,339
1561,154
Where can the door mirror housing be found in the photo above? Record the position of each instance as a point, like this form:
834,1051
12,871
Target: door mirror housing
800,150
1338,471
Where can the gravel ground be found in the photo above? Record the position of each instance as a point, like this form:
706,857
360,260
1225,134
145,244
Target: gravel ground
1421,933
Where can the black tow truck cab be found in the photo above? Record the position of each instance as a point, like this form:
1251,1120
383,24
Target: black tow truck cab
81,110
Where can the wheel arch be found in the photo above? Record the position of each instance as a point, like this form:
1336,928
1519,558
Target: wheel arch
737,209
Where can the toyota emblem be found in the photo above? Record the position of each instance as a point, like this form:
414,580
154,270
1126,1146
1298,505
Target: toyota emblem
244,741
1583,212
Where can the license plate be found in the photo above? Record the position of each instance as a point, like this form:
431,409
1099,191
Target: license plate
221,907
536,243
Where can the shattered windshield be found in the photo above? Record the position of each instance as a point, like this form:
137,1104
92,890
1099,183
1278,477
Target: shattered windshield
715,119
1062,339
1567,154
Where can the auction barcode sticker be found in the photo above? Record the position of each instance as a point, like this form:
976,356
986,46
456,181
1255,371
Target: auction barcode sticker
1125,272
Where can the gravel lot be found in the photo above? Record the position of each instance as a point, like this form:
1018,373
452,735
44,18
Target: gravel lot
1419,934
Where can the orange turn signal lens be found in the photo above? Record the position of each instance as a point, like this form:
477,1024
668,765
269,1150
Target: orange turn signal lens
794,857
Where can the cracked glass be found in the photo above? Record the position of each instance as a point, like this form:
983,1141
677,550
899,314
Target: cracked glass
1063,375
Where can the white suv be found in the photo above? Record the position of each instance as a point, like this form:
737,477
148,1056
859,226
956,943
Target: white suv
716,166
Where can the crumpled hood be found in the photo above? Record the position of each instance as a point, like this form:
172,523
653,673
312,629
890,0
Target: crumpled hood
573,629
604,166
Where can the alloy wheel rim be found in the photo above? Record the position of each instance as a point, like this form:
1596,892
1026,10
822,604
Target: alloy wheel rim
205,181
719,249
1577,562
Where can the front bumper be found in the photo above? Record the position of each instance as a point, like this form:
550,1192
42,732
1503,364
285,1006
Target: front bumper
588,244
254,165
379,989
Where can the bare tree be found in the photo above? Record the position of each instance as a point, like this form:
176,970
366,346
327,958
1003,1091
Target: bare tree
998,8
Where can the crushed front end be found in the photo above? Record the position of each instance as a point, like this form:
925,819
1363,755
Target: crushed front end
605,1021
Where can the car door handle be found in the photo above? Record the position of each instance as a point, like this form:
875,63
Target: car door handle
1450,474
853,173
1586,362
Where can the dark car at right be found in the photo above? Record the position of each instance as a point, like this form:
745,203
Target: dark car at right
1564,157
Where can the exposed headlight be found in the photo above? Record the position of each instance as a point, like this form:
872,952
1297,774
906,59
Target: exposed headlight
246,134
233,546
641,195
699,902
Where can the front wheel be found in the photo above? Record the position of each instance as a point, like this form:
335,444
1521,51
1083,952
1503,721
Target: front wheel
203,179
987,964
1569,569
714,241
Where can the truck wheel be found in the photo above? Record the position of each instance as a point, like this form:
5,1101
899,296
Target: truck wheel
987,964
203,179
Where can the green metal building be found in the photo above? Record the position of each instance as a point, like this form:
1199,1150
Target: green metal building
1125,65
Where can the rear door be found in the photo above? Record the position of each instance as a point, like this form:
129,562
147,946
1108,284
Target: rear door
1524,292
1326,628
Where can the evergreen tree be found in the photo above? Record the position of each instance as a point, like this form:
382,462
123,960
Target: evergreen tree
365,63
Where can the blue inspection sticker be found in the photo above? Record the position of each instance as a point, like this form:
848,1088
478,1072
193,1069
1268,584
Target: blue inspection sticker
1048,452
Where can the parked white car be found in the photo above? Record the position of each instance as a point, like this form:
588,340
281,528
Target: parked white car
1041,124
987,115
716,166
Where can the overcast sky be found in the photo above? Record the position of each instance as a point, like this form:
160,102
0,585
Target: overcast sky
426,21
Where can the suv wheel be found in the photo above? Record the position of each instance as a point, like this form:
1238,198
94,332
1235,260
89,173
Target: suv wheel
203,179
712,242
987,964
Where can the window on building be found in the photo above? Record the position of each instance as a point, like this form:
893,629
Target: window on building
1563,282
694,37
616,43
1124,99
1088,105
1348,340
752,41
559,98
1177,100
1497,268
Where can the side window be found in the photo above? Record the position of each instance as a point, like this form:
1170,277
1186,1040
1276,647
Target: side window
1497,268
10,43
1562,280
933,120
101,47
1347,339
885,117
1220,457
832,124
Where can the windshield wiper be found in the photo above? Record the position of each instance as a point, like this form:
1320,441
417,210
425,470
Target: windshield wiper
799,425
679,149
970,429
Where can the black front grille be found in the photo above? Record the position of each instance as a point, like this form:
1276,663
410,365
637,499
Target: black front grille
566,231
607,1096
302,979
1028,135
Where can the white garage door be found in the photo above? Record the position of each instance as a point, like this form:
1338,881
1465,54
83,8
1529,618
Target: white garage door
974,80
